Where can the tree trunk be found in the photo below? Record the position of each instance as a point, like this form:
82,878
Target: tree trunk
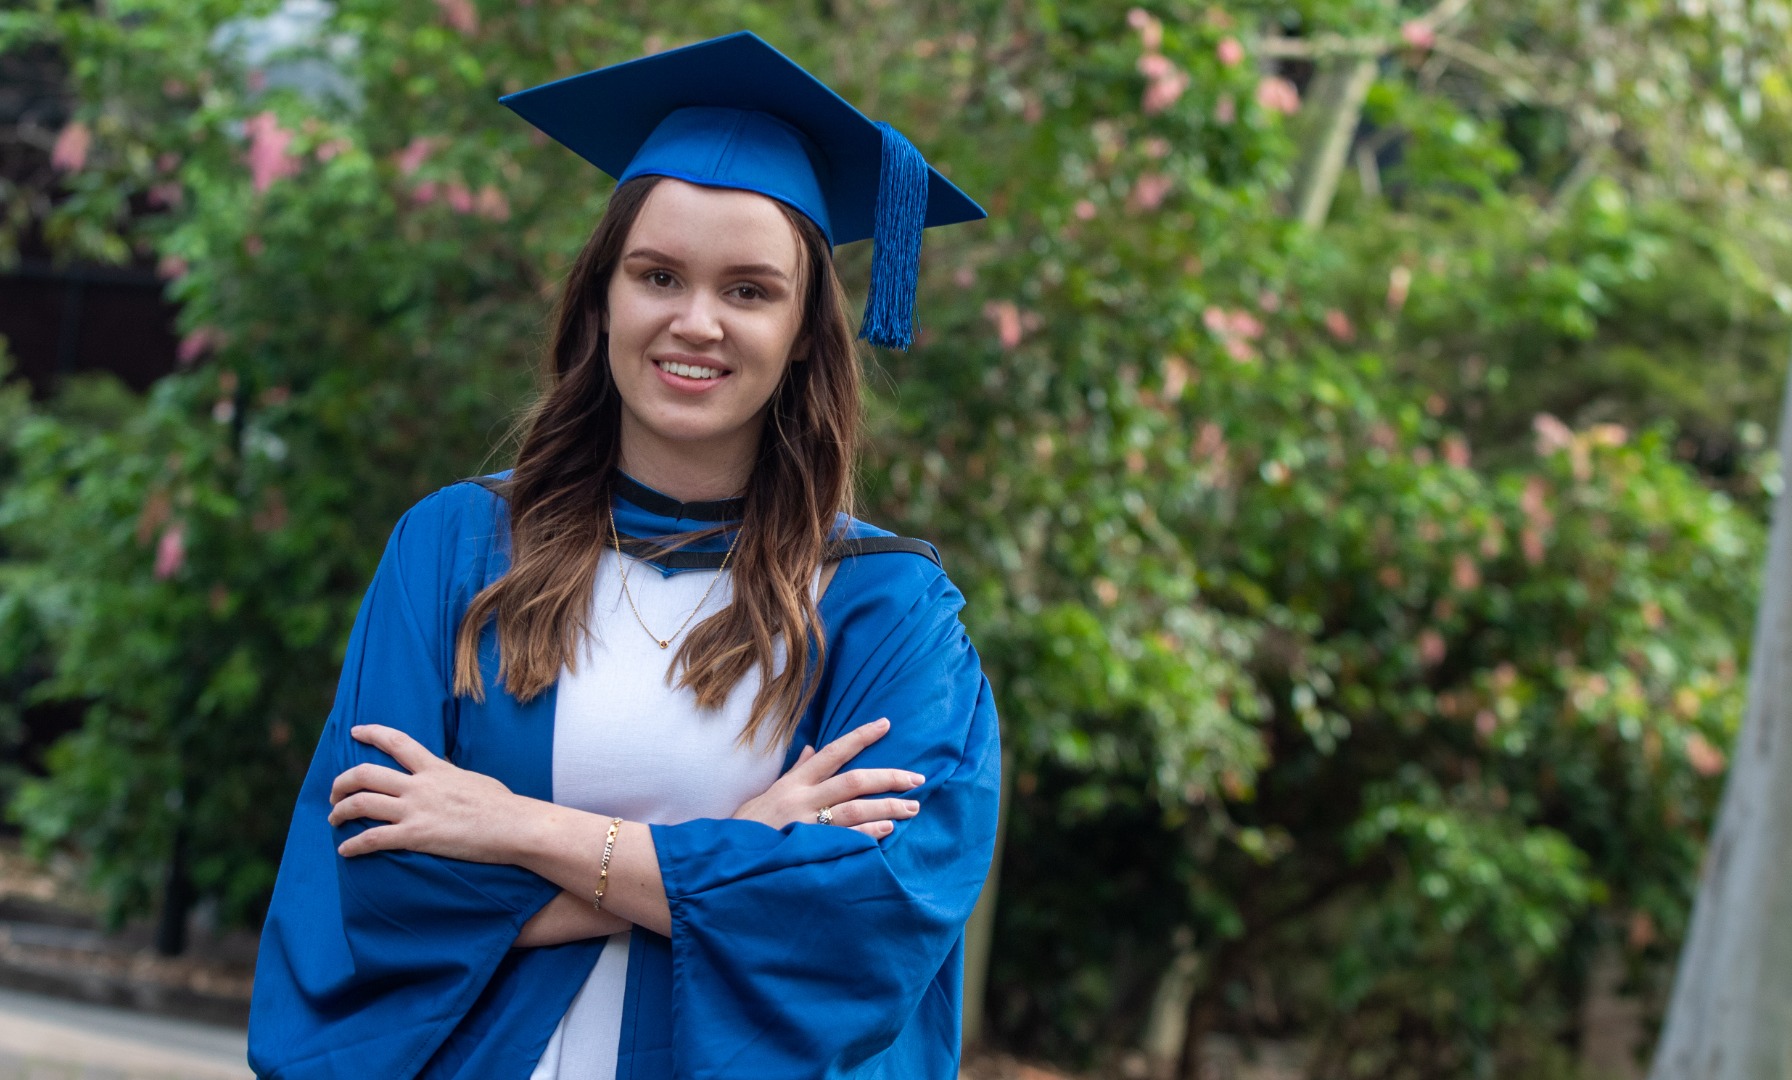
979,932
1166,1028
1332,110
177,899
1730,1017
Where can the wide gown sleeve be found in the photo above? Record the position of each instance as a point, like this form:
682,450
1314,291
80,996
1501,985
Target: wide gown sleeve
367,963
804,951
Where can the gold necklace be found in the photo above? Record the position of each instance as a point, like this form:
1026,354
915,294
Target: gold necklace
616,538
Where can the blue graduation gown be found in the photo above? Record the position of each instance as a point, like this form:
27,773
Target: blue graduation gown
806,951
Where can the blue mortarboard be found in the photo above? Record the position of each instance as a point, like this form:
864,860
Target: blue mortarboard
734,112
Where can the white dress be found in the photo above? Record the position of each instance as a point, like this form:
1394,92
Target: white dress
627,744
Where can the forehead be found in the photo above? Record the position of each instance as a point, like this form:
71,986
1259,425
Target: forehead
724,226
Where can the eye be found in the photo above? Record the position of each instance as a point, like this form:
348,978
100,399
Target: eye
658,278
749,291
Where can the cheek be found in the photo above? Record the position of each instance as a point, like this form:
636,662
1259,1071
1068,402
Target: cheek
627,319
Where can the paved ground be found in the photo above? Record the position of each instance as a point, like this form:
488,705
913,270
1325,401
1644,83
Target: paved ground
50,1039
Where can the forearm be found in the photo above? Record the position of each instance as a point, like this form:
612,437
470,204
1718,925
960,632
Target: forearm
566,846
569,917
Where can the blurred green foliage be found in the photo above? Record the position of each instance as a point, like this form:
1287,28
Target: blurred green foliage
1367,605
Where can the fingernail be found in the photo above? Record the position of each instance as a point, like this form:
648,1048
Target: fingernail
913,806
884,720
916,779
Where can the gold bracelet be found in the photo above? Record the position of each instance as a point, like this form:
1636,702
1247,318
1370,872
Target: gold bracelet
603,870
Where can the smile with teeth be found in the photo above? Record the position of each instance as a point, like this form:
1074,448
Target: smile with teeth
689,371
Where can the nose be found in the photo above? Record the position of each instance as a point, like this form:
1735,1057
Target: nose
698,320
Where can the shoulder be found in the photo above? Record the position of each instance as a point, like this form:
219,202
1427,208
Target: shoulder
455,506
894,574
456,524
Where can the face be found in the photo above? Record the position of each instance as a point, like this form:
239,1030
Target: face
705,308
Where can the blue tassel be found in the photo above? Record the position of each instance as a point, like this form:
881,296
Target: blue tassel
896,261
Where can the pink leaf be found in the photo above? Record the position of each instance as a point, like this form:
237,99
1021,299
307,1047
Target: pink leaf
1418,34
269,158
1149,191
1005,316
200,341
1705,759
1150,29
1531,542
492,204
1278,95
460,14
70,152
459,199
1553,436
168,195
171,552
1163,93
1399,284
1244,324
415,153
1155,66
1176,377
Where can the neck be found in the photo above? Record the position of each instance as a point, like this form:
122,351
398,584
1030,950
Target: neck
690,470
685,481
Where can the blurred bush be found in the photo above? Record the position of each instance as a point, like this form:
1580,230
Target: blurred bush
1367,602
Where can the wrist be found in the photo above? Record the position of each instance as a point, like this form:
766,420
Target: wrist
536,832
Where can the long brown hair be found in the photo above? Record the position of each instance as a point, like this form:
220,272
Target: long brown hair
560,488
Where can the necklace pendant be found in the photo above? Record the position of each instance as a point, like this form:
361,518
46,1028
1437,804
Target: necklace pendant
663,644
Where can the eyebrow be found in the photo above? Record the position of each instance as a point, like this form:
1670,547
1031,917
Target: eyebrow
740,270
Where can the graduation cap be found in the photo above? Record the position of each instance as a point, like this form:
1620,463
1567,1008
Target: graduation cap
734,112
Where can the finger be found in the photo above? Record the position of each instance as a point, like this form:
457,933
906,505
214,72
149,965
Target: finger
828,760
808,752
378,838
403,749
856,782
877,830
866,811
368,777
366,804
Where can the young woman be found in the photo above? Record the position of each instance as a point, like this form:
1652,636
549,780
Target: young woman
567,818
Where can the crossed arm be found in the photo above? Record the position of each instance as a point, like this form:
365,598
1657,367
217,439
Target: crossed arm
435,807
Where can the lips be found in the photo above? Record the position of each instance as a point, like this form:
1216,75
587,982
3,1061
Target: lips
686,374
690,371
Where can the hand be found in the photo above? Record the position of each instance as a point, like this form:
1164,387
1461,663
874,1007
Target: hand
436,808
811,784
